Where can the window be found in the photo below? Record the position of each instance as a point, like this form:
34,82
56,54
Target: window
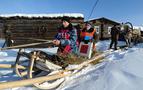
109,30
97,29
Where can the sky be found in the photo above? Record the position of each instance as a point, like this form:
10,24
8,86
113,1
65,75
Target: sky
117,10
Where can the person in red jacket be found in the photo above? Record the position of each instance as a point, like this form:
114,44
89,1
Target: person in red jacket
88,34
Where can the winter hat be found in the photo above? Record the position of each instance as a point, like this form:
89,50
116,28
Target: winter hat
88,23
66,18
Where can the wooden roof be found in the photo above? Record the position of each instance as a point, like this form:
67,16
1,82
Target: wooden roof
103,19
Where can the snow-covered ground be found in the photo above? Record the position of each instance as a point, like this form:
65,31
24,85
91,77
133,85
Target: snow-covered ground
122,70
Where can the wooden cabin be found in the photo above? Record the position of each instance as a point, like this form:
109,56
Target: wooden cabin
21,27
103,27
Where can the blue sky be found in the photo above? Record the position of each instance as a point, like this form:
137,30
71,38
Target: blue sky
118,10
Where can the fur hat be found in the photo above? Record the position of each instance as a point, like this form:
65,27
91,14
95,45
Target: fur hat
66,18
88,23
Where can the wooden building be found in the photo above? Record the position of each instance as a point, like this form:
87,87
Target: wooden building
38,26
103,27
1,27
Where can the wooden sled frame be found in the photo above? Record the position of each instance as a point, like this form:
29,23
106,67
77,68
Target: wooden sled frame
32,58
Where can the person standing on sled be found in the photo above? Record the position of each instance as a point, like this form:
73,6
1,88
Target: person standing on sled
88,34
88,38
114,37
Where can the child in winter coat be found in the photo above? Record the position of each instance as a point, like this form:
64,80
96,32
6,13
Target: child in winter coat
88,34
66,38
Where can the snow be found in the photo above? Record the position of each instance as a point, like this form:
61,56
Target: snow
122,70
76,15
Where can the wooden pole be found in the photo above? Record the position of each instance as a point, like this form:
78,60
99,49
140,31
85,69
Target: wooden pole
21,83
11,66
92,60
6,66
26,45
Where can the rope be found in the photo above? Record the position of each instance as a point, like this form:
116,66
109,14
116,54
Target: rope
36,39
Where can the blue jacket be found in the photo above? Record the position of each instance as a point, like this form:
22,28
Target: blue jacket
68,37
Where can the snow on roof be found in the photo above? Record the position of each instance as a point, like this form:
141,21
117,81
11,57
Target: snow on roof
138,27
75,15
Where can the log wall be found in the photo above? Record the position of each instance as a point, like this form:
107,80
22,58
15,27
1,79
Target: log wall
38,28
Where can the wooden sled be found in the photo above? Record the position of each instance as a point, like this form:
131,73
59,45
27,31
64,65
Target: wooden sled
36,69
42,73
